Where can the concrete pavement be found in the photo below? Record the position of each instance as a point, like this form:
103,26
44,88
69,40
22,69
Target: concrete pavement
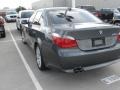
14,76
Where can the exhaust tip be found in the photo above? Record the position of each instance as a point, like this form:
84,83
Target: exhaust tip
78,69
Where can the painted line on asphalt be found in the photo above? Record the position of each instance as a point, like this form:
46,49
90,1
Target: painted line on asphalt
31,74
111,79
6,41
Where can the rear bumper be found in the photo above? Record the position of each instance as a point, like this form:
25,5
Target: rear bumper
11,19
2,29
93,66
88,60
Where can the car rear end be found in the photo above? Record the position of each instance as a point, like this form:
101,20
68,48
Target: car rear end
25,15
82,41
11,16
2,29
88,48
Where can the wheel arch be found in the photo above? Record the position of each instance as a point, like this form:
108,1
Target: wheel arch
37,42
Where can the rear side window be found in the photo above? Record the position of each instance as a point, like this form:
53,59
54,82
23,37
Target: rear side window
57,17
37,17
32,17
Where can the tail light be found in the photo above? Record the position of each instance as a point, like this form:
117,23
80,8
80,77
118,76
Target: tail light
98,14
118,37
1,21
64,42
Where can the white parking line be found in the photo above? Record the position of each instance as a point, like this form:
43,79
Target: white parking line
31,74
111,79
6,41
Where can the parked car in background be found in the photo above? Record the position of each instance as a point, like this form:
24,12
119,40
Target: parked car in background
91,9
23,17
107,14
11,16
71,39
2,29
118,9
110,15
116,18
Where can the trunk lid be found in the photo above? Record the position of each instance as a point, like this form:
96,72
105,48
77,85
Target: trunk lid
91,36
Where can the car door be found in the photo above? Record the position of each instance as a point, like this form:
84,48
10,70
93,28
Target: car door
29,27
34,28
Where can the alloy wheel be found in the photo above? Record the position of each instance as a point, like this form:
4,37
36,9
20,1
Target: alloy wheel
38,57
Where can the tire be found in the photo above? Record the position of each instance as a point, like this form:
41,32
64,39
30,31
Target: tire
4,35
23,37
18,29
7,21
39,59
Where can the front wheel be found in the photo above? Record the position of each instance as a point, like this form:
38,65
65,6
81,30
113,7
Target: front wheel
117,23
39,59
4,34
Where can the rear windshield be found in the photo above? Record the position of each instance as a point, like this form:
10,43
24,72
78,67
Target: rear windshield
81,16
11,13
106,10
26,14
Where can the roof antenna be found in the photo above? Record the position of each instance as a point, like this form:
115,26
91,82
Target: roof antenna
68,9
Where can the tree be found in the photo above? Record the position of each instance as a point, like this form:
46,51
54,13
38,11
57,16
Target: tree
5,8
20,8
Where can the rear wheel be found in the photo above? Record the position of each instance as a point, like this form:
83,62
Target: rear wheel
39,59
23,37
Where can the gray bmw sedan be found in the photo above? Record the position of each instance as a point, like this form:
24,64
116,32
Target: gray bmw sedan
71,39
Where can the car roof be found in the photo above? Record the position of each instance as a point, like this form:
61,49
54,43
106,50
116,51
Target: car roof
26,11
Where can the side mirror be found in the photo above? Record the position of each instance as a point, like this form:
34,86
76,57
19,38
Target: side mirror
29,23
36,23
25,22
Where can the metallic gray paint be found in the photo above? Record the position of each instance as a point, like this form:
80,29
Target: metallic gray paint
66,59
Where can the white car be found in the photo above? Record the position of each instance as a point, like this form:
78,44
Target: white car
11,16
23,17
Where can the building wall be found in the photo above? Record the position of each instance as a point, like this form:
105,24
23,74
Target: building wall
69,3
100,3
61,3
42,4
48,3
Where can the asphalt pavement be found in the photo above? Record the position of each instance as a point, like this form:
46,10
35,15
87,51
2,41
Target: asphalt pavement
18,70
